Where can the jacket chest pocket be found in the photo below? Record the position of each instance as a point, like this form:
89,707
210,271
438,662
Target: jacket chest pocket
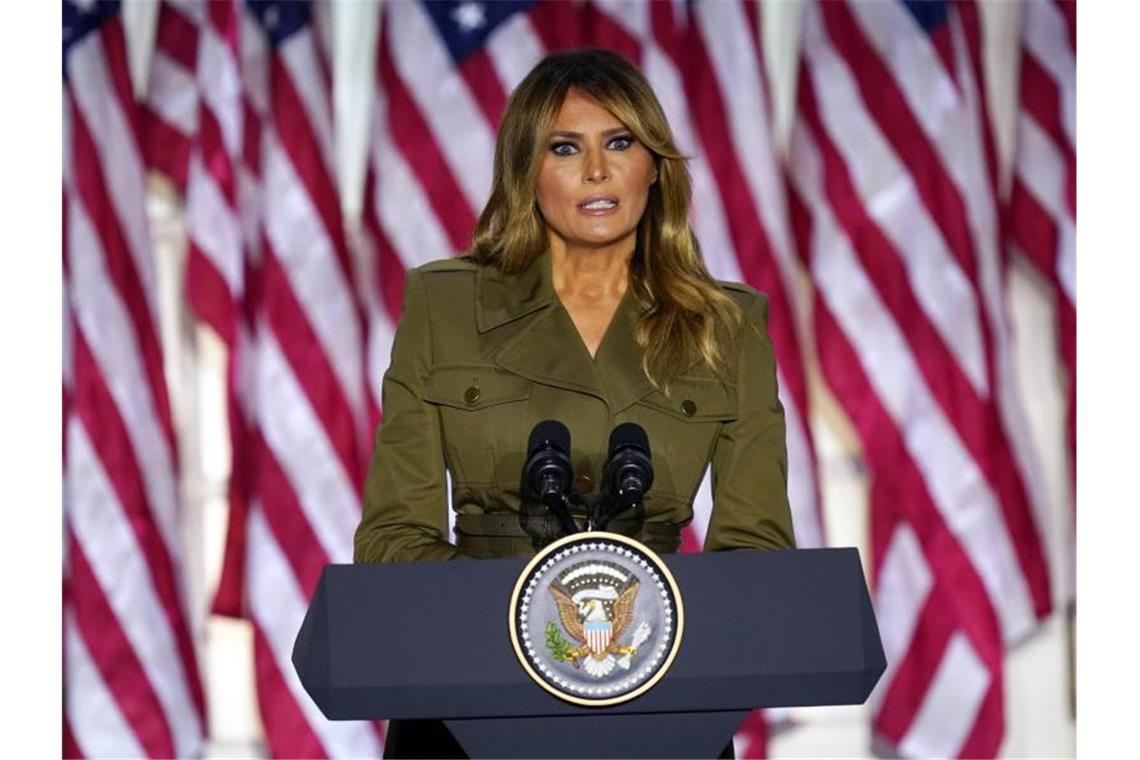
484,418
682,429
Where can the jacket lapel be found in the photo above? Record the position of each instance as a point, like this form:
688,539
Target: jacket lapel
547,348
618,360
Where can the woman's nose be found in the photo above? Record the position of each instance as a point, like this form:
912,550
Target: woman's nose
597,168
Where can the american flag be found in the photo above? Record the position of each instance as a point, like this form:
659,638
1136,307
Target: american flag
168,115
223,231
300,385
202,131
131,683
1042,211
268,268
896,217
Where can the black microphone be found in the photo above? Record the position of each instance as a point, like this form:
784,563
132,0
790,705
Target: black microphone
628,472
548,472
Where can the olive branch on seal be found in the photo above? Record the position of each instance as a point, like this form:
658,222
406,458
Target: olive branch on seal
559,647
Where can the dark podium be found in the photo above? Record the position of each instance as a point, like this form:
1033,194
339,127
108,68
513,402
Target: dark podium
430,640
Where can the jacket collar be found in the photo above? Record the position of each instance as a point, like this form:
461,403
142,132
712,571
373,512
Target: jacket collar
548,348
502,298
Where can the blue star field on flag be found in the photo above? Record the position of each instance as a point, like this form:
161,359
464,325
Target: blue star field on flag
930,14
79,21
465,26
280,20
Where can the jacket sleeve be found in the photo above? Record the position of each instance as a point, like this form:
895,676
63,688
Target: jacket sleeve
749,463
405,498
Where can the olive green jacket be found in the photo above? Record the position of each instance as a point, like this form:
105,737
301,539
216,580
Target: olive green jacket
480,357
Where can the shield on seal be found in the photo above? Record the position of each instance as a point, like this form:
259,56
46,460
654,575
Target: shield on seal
598,634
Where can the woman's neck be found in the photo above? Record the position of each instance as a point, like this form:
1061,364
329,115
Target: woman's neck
590,273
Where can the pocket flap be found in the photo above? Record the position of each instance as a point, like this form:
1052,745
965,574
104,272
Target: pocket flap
699,399
474,388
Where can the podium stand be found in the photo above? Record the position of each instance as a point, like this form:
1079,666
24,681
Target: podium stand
430,640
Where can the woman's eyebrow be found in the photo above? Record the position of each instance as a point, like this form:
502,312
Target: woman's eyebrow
578,135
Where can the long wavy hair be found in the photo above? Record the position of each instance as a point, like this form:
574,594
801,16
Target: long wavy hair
687,319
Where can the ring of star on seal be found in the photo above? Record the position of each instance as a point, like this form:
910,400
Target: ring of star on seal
596,619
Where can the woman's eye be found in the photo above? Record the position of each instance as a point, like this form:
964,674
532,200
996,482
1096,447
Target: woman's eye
621,143
564,149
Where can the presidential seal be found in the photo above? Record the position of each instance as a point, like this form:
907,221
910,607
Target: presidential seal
596,618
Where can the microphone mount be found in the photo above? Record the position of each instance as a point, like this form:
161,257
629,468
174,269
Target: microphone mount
626,477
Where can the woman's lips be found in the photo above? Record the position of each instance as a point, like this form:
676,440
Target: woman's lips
599,205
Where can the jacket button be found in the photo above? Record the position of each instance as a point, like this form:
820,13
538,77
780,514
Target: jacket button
472,394
583,484
688,407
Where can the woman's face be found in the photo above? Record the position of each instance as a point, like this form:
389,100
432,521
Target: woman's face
594,179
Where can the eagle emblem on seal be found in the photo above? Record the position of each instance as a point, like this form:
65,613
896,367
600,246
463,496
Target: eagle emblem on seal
596,602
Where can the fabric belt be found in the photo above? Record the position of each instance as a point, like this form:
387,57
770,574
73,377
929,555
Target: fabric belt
506,535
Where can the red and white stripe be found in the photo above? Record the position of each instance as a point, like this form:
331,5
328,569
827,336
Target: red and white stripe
221,216
131,683
426,183
268,269
598,639
300,380
1042,211
896,218
168,115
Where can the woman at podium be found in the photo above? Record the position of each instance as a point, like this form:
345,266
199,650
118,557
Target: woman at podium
584,299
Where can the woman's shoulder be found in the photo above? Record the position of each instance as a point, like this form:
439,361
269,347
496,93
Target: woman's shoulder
751,347
444,280
750,300
448,290
464,263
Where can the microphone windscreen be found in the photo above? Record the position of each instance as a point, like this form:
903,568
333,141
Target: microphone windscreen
551,431
629,434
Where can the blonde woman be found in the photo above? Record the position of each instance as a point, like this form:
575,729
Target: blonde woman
583,299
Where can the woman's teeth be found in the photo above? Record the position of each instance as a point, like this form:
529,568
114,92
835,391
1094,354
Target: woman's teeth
599,205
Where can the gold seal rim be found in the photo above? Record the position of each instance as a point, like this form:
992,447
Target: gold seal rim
661,567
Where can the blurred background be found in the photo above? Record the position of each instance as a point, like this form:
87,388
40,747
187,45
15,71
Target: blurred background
246,183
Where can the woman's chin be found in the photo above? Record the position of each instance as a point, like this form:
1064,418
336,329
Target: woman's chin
602,238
